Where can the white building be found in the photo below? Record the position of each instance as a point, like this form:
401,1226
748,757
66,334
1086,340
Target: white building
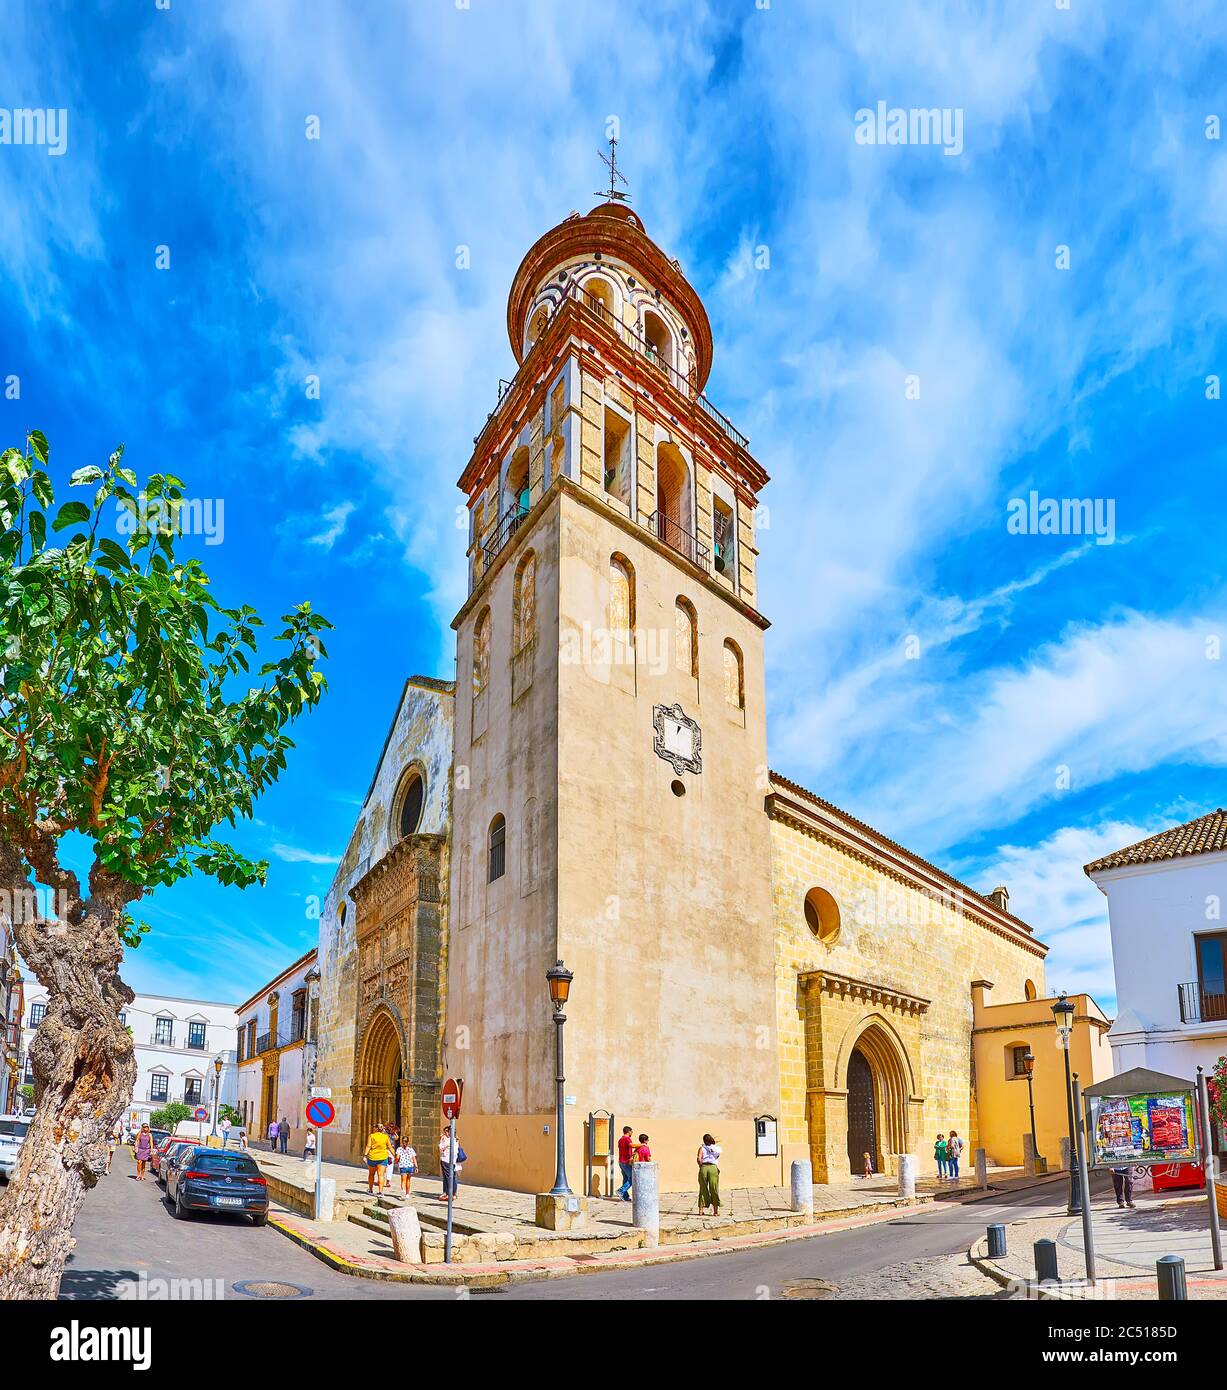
12,1061
177,1041
1169,948
276,1031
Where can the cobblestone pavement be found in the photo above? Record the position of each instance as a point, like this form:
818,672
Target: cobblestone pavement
946,1276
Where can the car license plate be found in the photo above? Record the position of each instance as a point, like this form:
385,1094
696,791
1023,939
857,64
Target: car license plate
228,1201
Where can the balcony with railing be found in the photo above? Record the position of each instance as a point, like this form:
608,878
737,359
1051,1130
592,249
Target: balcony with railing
678,538
509,523
1201,1005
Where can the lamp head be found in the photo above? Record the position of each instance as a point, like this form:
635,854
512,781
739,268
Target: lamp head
559,979
1028,1061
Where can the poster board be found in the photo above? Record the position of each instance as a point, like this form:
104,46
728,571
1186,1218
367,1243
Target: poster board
1153,1127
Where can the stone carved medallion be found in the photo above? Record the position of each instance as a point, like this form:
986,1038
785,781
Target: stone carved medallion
678,738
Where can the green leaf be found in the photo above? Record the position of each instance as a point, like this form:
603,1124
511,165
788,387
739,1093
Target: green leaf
38,530
38,442
70,514
84,477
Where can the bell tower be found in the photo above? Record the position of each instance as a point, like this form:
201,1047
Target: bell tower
610,764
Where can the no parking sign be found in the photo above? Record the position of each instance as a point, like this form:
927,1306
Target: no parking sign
320,1112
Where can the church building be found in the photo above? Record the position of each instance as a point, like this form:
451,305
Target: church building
593,787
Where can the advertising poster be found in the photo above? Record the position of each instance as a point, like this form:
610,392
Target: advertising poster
1150,1129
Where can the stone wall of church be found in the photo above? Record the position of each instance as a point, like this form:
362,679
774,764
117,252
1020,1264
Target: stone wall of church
422,736
895,935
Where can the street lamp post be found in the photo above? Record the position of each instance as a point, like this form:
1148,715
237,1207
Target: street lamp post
1029,1067
217,1093
559,978
1063,1012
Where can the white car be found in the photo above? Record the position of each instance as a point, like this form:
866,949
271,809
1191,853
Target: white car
13,1130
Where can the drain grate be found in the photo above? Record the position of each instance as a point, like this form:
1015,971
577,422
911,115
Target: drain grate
809,1289
271,1288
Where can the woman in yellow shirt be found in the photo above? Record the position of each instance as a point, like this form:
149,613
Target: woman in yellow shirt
378,1154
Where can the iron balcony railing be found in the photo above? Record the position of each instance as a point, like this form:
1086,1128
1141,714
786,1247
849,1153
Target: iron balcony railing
265,1042
510,522
1199,1005
679,539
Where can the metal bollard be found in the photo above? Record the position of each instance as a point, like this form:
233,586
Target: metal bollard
1046,1261
996,1242
1172,1284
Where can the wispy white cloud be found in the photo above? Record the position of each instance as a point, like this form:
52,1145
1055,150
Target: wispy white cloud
292,854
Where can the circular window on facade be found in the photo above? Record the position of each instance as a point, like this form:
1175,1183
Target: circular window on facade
411,805
822,915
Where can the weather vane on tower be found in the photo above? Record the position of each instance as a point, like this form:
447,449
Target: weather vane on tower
610,160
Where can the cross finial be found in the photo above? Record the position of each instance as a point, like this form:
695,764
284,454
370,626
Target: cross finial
610,160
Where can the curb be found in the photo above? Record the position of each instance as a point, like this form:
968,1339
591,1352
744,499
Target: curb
516,1272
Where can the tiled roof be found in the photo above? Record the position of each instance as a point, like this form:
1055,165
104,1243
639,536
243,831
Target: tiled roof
1201,836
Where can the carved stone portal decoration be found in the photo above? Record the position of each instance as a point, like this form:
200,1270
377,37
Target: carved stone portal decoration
398,929
678,738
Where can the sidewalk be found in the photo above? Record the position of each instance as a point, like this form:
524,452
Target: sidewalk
1127,1244
495,1235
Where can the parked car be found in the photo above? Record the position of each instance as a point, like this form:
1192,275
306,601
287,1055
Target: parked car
13,1130
217,1180
171,1152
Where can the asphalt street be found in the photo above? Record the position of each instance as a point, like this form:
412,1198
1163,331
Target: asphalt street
126,1231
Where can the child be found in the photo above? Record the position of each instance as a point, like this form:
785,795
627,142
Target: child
868,1166
406,1164
642,1153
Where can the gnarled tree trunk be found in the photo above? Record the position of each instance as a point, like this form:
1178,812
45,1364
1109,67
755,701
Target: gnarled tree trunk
84,1070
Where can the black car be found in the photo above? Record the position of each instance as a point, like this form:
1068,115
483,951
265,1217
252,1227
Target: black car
217,1180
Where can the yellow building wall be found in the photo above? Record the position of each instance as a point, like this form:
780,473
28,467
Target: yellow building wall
1004,1113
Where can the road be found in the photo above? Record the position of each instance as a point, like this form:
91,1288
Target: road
126,1230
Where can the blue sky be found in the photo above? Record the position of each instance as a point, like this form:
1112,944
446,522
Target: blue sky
886,518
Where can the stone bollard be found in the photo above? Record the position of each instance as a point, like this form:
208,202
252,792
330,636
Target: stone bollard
328,1199
1030,1167
1169,1270
1065,1152
645,1201
981,1168
406,1235
803,1186
907,1175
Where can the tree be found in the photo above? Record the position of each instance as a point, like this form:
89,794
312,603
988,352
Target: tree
27,1094
128,722
228,1112
170,1115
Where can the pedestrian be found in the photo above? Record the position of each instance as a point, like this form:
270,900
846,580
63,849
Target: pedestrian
939,1153
954,1147
626,1147
642,1154
868,1169
406,1164
709,1175
450,1162
144,1151
272,1134
283,1133
242,1138
377,1155
1122,1185
225,1129
308,1148
113,1143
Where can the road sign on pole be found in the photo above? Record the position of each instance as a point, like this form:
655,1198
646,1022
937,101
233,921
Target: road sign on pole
453,1094
320,1112
200,1113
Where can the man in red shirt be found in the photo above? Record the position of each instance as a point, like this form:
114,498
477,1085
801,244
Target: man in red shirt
625,1158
